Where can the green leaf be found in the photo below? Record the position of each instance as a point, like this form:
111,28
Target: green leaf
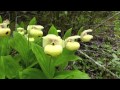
1,19
45,61
20,44
65,57
32,73
22,24
12,68
33,21
2,68
80,30
17,26
63,66
76,74
38,41
4,46
8,67
68,33
53,30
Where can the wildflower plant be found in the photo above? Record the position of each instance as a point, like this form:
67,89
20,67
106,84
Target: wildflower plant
32,60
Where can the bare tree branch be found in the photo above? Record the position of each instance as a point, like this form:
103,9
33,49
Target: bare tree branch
107,20
92,60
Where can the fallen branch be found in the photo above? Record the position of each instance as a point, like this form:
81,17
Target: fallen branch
91,59
107,20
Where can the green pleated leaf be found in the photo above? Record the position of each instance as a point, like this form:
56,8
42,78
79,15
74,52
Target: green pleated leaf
63,66
4,46
11,67
65,57
80,30
45,61
76,74
22,24
8,67
1,19
20,44
53,30
32,73
33,21
2,68
68,33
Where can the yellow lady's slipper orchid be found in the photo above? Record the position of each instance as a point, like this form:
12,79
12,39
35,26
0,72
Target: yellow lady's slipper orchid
86,37
37,27
4,24
35,30
53,45
71,44
35,33
51,38
21,30
5,31
53,50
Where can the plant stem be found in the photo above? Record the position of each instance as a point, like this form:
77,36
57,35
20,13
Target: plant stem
50,65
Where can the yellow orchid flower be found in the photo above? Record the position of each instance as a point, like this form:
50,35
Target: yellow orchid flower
35,30
53,45
37,27
5,31
85,37
35,33
71,44
51,38
21,30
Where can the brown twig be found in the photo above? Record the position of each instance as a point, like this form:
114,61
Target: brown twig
92,60
106,20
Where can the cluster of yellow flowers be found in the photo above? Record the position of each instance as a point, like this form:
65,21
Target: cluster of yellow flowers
53,44
33,31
